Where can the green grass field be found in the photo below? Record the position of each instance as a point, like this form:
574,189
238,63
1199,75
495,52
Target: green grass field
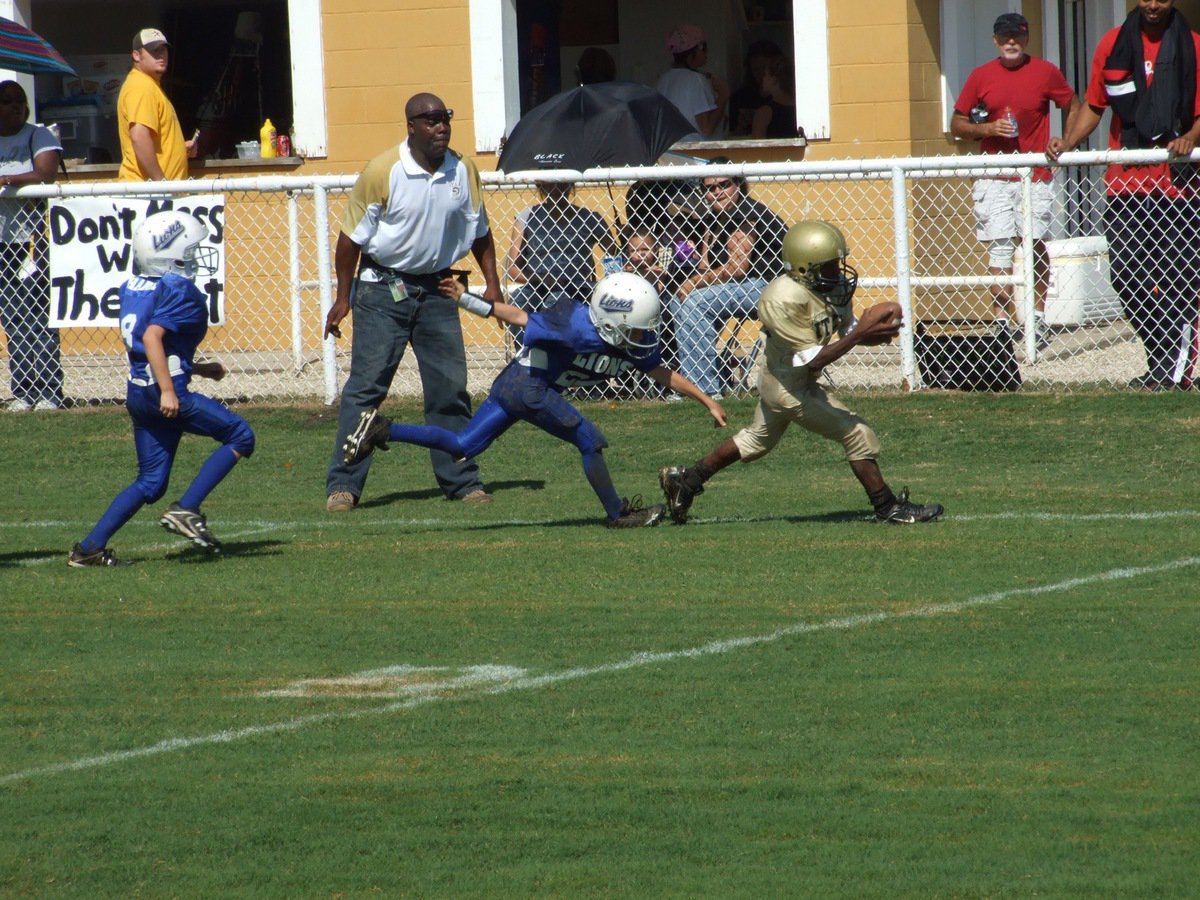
780,699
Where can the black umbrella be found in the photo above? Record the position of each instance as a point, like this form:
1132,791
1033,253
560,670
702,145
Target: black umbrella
613,123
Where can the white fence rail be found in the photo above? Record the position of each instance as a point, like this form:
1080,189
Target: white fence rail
909,222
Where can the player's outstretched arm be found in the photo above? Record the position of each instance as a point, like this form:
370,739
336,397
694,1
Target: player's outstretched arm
684,386
453,288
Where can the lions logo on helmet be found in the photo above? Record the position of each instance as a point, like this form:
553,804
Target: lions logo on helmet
814,254
626,311
169,241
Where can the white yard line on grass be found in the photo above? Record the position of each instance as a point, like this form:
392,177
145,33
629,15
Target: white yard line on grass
515,680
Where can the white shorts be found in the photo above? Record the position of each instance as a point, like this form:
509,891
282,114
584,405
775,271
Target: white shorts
998,212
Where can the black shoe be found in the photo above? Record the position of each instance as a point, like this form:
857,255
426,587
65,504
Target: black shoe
191,525
370,434
103,557
634,515
678,493
901,512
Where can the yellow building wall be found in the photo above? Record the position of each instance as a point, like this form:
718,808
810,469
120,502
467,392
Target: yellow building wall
378,53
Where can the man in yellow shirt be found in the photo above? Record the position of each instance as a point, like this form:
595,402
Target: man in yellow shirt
152,145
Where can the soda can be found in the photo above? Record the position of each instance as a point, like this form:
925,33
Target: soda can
612,264
283,145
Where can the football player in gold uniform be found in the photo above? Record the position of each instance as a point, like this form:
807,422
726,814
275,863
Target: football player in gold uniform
801,313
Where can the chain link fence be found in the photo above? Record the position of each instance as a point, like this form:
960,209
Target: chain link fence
708,236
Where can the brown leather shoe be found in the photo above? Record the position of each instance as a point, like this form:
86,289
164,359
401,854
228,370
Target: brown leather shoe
341,501
478,496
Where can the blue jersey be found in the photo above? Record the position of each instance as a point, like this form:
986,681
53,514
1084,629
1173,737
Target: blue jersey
563,347
172,302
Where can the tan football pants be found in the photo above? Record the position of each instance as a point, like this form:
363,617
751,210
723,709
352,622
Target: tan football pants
798,398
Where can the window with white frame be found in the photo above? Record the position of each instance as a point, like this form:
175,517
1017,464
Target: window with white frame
503,47
232,64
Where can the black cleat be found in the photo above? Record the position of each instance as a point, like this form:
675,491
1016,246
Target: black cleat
191,525
678,493
104,557
901,512
370,434
634,515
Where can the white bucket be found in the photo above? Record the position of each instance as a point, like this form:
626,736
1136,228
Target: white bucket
1079,292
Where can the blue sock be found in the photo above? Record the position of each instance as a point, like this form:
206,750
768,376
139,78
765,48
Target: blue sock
215,468
120,511
596,470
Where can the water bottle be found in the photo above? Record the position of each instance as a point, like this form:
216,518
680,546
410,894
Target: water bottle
612,264
1011,118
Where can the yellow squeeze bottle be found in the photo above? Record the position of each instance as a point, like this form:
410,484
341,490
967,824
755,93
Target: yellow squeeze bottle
266,139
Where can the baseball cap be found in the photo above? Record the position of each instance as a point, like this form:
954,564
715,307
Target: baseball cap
683,38
1011,23
149,37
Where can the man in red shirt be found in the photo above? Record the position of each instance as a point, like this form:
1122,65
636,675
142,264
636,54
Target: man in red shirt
1005,105
1146,71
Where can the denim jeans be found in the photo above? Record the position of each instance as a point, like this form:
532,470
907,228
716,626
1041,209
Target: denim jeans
35,370
383,329
699,318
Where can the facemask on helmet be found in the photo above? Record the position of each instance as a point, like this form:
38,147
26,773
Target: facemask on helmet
626,311
814,254
170,242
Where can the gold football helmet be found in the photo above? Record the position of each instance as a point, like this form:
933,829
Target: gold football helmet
814,254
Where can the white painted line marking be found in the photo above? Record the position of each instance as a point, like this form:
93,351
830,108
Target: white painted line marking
398,681
636,660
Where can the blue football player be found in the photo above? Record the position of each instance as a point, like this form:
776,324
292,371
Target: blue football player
164,317
569,345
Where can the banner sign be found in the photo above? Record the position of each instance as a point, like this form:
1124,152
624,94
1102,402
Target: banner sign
91,254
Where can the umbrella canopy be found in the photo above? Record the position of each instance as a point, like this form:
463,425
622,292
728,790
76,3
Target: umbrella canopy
613,123
23,51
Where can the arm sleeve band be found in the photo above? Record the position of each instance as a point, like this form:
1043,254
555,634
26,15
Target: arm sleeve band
474,304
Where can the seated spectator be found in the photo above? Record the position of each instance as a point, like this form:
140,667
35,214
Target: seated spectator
552,249
644,256
776,118
749,97
739,255
668,209
697,94
595,66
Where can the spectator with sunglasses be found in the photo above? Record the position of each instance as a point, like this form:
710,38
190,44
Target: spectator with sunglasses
739,254
416,209
698,95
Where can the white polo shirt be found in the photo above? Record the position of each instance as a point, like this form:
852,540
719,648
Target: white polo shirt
408,219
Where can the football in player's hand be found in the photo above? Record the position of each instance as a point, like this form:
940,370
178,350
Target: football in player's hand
886,319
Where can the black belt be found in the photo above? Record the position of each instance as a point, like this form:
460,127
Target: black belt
391,274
